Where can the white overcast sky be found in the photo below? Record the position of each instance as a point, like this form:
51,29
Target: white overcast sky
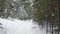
20,27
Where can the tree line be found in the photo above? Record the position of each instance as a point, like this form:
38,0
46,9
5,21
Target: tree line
38,10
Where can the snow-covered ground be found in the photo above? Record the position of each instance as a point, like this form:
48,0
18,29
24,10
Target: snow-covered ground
19,27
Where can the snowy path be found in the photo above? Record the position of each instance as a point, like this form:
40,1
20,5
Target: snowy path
20,27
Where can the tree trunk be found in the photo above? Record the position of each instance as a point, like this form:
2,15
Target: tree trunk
58,9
